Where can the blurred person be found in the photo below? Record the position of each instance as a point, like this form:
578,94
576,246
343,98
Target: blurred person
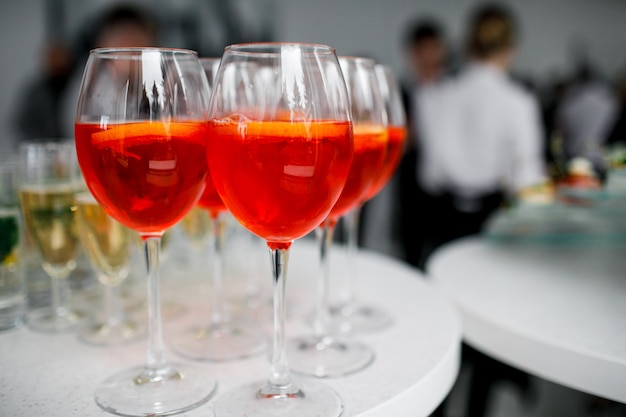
426,54
118,26
482,143
37,114
125,26
584,118
480,136
46,107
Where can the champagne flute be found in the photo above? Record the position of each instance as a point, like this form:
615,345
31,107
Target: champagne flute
141,143
279,155
351,315
48,178
222,339
324,354
107,244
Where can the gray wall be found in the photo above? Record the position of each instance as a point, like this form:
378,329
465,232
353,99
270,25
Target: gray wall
21,36
552,30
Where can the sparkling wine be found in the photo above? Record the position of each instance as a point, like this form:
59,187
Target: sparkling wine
397,136
147,175
283,177
370,147
106,241
50,221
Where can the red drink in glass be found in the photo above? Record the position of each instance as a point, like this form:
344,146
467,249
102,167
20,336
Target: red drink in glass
283,177
210,199
397,136
370,147
147,175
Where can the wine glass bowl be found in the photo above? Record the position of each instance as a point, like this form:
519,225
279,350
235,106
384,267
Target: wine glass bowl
396,125
210,199
279,153
141,142
130,193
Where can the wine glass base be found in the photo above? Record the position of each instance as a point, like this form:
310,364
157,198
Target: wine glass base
315,399
137,393
220,343
328,356
359,319
111,334
60,320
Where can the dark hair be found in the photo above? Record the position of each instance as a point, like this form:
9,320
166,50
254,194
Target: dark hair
422,30
124,14
492,30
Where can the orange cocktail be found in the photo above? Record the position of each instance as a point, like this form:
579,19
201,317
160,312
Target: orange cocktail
279,178
370,149
147,175
395,146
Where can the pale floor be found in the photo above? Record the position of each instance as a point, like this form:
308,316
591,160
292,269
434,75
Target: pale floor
546,399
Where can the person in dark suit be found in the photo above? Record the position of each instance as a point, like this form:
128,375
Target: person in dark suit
426,55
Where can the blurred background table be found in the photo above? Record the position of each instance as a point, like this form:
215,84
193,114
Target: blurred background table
549,304
416,364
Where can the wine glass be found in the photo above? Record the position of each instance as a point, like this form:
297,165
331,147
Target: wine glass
107,244
279,154
324,354
141,142
351,315
48,179
221,339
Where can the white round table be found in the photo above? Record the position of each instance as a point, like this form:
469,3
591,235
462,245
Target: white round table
416,363
557,311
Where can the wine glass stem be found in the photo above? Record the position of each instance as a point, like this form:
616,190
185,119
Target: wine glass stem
349,294
324,235
279,371
112,304
59,290
216,248
252,291
156,360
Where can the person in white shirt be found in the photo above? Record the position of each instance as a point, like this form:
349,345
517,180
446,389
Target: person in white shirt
481,143
480,136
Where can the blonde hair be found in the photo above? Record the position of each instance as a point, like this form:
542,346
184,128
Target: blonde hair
492,30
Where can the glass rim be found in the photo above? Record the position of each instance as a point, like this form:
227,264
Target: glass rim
358,59
384,67
132,50
272,48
